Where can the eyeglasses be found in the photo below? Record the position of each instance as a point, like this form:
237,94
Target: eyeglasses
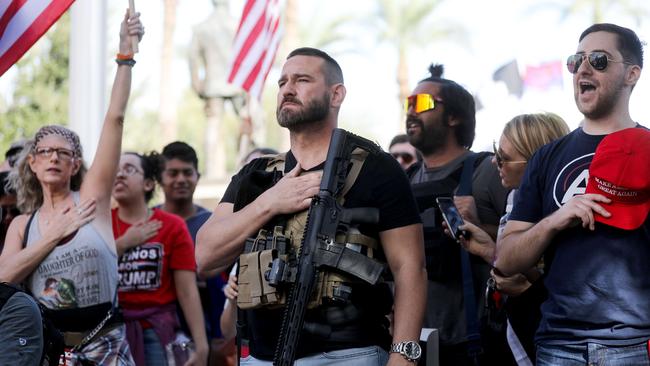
62,153
421,103
406,157
598,60
500,160
129,170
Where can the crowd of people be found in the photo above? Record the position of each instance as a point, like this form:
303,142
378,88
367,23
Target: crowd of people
545,268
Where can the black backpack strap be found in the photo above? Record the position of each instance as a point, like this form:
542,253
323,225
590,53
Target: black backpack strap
469,297
241,325
53,344
26,233
465,185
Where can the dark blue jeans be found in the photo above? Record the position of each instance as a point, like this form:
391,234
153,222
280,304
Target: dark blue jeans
592,354
154,352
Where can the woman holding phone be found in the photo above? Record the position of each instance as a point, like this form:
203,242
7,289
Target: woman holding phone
521,137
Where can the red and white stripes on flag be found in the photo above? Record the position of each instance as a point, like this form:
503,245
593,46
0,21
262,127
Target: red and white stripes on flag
255,45
22,23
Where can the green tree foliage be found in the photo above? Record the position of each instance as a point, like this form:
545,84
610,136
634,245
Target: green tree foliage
40,94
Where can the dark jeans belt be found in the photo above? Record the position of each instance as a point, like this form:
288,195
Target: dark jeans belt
72,339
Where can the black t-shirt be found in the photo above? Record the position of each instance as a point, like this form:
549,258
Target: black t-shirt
445,299
381,184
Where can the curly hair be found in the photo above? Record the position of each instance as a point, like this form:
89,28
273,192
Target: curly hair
24,181
151,165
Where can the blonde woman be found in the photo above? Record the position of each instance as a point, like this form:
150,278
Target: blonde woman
521,137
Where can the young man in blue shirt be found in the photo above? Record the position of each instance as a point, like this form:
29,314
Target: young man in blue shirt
599,293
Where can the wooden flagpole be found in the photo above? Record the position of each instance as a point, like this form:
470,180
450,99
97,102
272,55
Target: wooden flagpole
134,39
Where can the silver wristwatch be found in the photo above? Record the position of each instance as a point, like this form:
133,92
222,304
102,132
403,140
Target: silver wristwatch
409,349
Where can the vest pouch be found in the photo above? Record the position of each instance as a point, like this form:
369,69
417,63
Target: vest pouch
337,287
442,256
330,286
271,295
249,281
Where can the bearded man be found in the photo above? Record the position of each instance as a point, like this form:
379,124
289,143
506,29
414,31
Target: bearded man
350,329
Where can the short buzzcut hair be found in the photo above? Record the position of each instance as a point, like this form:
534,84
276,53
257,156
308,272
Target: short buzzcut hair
181,151
331,69
629,44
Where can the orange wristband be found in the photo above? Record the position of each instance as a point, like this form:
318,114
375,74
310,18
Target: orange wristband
121,56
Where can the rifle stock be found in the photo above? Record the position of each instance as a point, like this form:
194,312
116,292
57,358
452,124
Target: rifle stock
324,220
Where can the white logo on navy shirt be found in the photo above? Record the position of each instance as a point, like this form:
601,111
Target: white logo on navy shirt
572,179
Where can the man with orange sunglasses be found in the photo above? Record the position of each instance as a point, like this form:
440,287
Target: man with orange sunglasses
440,122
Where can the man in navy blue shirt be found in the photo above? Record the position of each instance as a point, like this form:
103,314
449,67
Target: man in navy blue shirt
596,274
178,179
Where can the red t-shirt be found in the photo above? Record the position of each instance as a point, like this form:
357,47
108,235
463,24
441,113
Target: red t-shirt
146,271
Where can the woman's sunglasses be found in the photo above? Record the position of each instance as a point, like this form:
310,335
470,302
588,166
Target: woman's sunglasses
500,160
598,60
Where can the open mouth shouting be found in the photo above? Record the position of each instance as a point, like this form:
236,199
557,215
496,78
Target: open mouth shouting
586,87
413,125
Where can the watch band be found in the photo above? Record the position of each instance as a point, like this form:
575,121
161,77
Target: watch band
409,349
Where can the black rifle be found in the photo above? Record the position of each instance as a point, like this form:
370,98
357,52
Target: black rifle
326,219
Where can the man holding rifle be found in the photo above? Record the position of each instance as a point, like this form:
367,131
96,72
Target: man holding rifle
263,216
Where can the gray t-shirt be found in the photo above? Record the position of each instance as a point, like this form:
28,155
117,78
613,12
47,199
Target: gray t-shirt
77,274
445,308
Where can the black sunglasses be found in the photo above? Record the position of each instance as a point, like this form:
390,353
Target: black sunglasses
500,160
598,60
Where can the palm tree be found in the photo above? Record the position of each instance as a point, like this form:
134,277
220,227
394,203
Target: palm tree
404,24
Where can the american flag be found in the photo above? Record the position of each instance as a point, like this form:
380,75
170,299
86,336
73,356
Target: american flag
22,23
255,45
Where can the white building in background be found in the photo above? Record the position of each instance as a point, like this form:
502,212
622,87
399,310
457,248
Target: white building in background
87,98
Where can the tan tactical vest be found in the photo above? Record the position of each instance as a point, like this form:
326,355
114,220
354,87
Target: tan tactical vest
255,291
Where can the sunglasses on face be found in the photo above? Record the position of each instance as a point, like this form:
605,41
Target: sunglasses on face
406,157
61,153
598,61
500,160
421,103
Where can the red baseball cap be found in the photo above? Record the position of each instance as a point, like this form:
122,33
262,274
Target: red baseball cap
620,171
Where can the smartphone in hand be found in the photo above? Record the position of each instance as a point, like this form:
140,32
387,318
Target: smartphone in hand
452,217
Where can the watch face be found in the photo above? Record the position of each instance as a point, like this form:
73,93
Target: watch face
412,350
